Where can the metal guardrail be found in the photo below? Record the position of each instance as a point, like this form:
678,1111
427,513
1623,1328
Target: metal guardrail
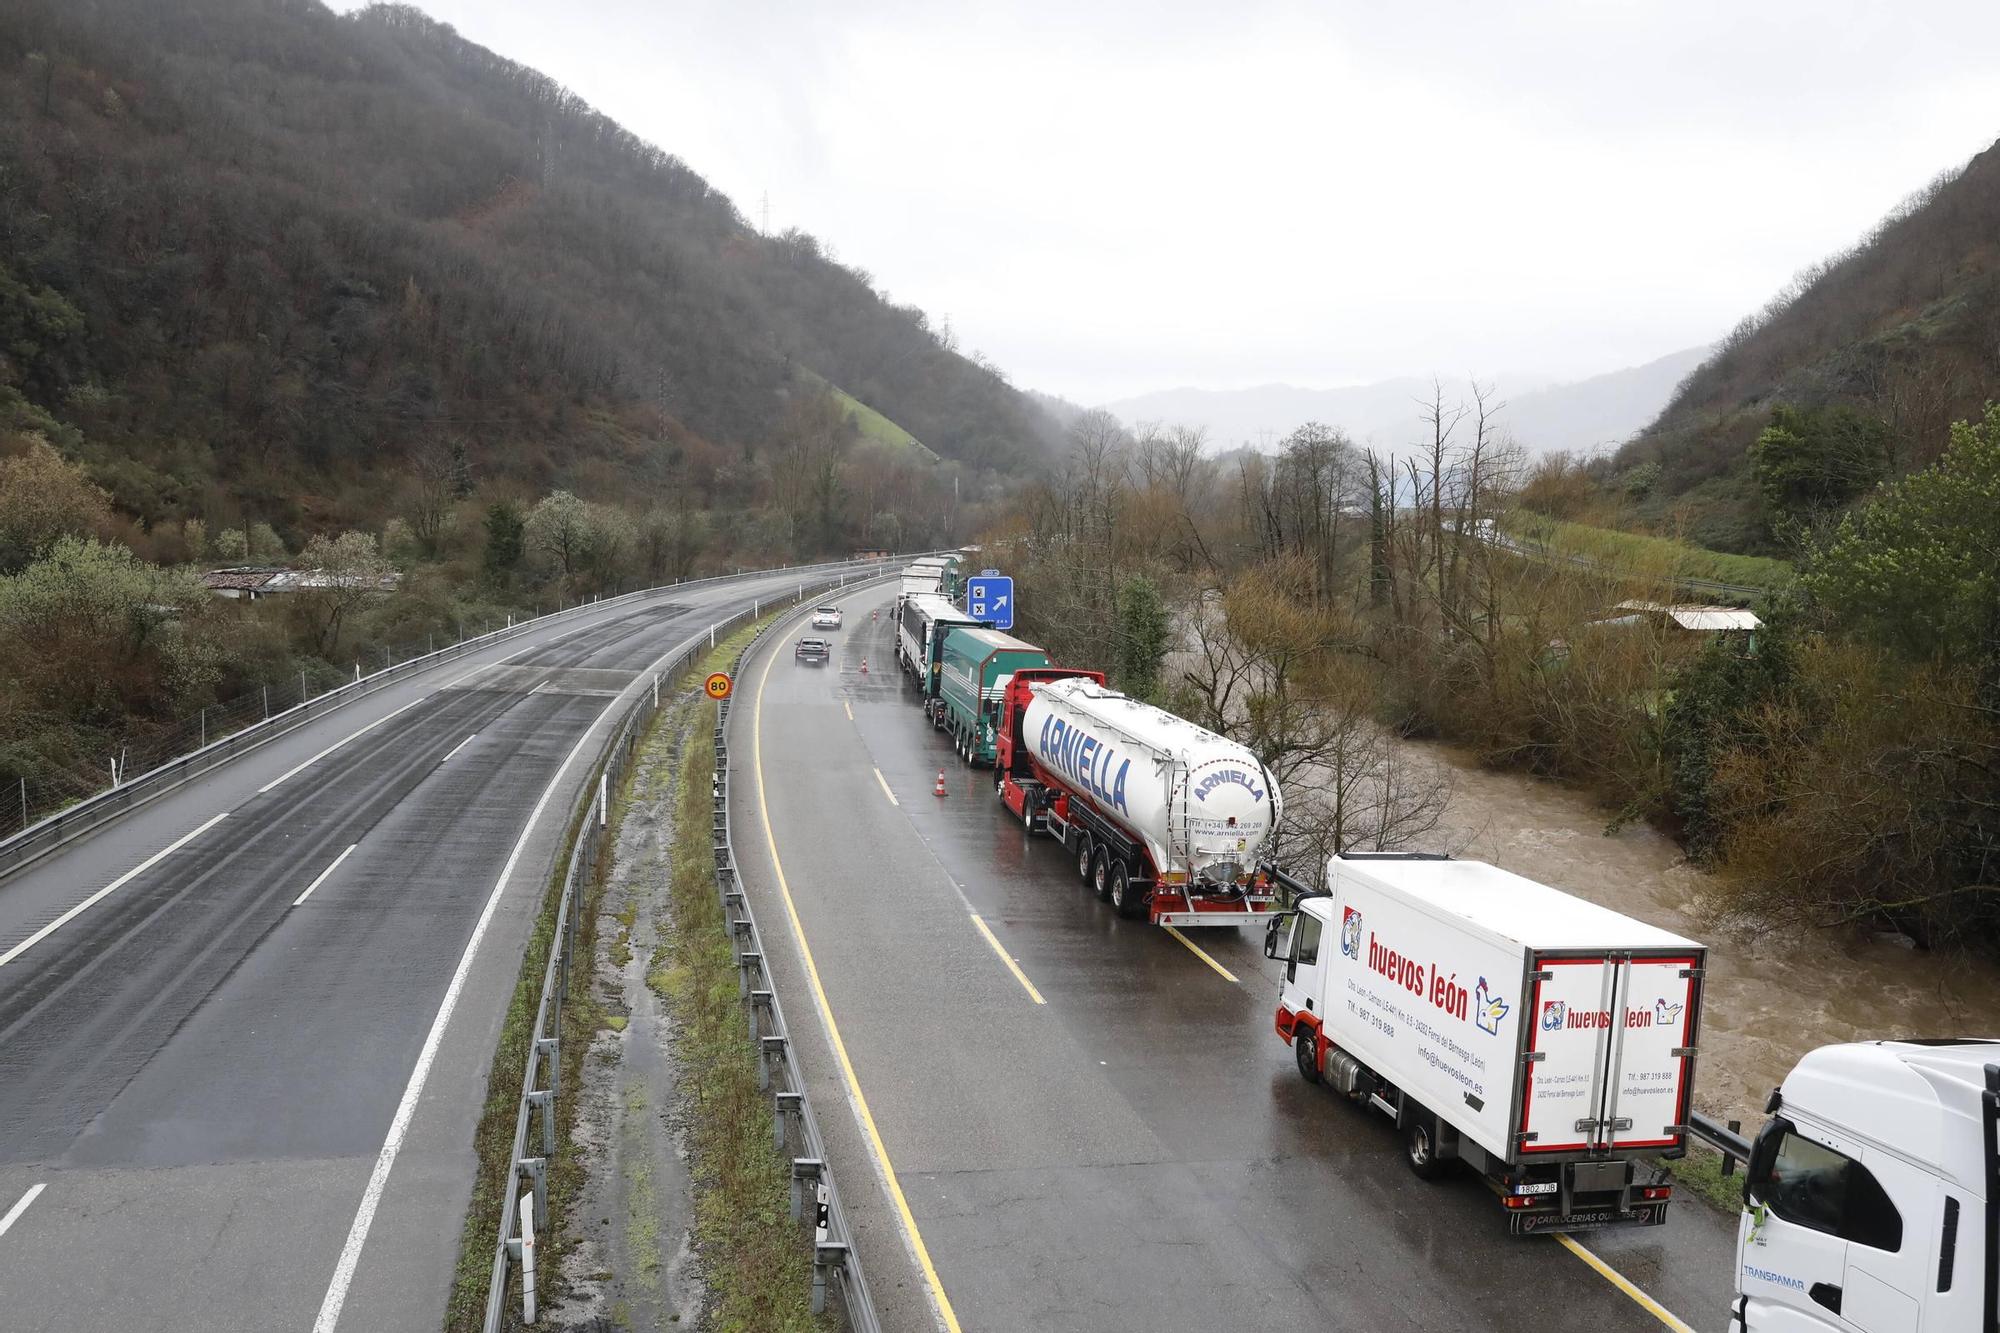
525,1216
794,1125
1726,1138
66,825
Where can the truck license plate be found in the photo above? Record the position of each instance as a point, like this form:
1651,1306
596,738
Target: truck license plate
1588,1219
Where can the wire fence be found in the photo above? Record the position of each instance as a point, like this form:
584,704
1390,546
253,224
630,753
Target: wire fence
525,1205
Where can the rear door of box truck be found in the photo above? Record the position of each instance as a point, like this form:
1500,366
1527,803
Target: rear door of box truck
1610,1051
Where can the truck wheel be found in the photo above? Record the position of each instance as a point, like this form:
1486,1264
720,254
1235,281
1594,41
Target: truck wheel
1083,851
1420,1146
1127,899
1306,1046
1100,874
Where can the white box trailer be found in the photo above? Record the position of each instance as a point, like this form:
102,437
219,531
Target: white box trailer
1544,1040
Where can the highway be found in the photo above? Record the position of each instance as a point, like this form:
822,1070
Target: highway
245,1030
1085,1123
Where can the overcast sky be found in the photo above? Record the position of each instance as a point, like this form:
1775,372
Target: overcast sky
1109,198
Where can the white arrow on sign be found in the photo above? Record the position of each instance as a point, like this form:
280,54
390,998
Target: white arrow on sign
1000,601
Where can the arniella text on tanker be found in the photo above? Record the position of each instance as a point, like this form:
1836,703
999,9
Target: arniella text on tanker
1085,760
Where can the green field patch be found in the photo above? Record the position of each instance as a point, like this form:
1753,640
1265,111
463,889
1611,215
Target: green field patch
873,426
1642,553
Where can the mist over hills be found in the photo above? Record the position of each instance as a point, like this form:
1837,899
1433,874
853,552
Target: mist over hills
1600,412
259,253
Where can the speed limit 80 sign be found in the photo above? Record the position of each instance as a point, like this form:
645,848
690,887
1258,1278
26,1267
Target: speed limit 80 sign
718,685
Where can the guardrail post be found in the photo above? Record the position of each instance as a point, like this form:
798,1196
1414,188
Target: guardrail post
760,1005
804,1169
771,1047
545,1102
536,1169
746,964
1729,1159
828,1256
788,1106
547,1049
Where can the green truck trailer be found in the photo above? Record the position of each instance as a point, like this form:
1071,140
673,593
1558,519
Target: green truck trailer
976,664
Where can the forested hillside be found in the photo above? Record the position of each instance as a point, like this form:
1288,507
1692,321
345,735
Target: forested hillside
1873,353
255,256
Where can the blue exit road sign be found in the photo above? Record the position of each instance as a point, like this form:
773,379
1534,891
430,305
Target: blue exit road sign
990,597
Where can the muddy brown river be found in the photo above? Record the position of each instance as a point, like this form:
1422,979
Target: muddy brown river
1772,993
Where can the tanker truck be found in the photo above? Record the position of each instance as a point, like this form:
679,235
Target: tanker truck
1164,819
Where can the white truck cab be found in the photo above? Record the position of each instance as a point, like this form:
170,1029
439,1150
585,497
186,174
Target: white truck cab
1869,1201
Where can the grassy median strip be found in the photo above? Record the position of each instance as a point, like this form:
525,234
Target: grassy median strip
756,1260
493,1140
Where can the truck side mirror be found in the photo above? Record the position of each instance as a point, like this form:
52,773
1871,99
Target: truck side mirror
1273,931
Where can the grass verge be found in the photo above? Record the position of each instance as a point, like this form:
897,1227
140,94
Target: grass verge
756,1261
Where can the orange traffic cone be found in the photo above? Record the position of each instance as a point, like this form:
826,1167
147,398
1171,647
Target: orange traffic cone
864,666
940,791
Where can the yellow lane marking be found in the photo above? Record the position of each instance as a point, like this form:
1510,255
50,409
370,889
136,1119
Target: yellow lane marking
1202,954
885,788
1007,958
850,709
1624,1284
910,1231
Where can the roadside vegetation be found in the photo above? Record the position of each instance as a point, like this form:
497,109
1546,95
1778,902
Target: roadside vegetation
1841,767
1700,1174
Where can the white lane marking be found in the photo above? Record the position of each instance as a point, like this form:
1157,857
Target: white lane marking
105,892
850,709
321,877
456,748
14,1213
352,735
399,1126
885,788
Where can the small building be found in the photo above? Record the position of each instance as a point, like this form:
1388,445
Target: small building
241,582
1693,618
250,582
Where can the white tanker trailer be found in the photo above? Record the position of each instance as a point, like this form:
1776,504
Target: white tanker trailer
1165,819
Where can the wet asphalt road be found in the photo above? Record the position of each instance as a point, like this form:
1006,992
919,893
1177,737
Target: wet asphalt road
201,1071
1137,1152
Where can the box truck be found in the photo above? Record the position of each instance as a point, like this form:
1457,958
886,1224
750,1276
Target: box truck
920,624
1873,1192
1546,1042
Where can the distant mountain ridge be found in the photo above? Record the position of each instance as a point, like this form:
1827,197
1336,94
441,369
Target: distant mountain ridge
1599,412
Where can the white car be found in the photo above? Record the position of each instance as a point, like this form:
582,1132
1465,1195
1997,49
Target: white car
826,617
